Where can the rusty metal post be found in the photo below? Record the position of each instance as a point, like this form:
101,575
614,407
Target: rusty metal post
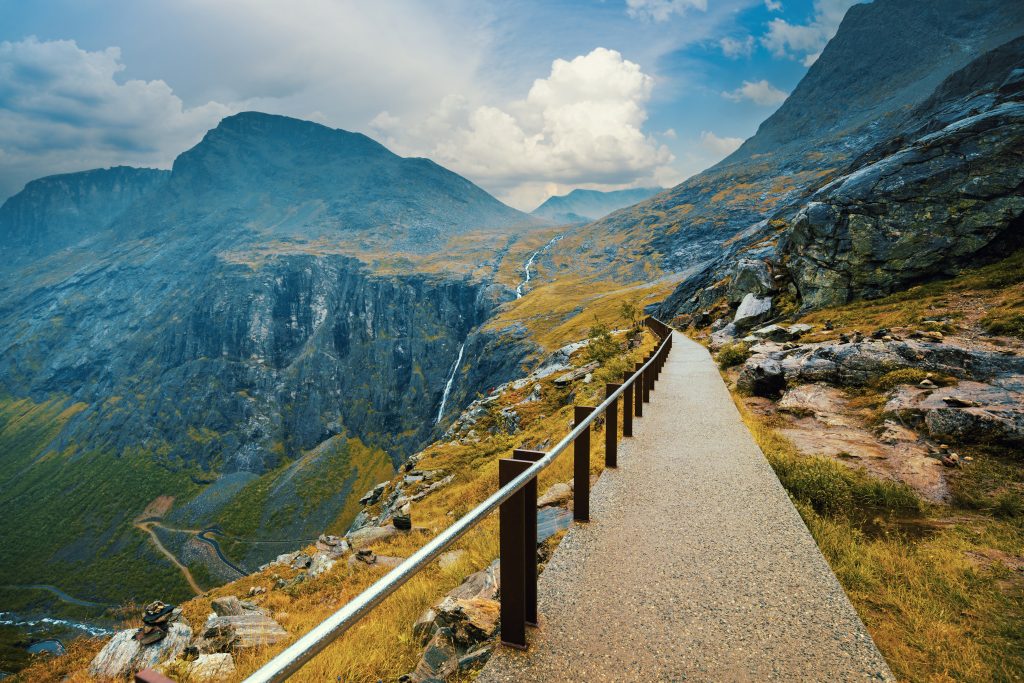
638,392
531,535
648,381
581,468
512,542
611,428
627,408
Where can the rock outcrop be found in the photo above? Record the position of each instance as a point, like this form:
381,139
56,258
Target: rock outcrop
124,655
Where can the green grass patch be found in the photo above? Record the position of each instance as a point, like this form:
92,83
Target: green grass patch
732,354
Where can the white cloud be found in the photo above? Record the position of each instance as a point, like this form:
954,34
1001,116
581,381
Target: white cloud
773,5
581,124
804,42
759,92
63,109
733,47
719,147
662,10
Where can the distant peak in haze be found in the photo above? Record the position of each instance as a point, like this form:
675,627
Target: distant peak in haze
581,206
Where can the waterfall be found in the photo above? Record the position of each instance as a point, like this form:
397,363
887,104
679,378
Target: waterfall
529,264
448,384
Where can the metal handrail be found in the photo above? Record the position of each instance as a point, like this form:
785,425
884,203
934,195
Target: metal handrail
308,646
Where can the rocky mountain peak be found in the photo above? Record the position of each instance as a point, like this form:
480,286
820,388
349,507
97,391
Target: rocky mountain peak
871,69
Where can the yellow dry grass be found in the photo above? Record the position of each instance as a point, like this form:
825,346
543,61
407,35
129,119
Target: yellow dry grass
943,598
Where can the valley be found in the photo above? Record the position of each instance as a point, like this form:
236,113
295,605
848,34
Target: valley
236,378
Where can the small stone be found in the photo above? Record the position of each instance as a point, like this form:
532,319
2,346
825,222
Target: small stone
927,384
367,556
256,590
557,494
402,522
228,606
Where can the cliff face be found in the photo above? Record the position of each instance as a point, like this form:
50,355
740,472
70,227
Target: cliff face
57,211
258,393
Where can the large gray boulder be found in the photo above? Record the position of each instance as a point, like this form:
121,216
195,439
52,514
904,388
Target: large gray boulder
753,310
749,276
762,376
123,655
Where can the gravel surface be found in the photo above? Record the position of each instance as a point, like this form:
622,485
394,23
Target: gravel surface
695,565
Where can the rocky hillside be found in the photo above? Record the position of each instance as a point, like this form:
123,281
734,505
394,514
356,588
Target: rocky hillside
582,206
872,90
203,344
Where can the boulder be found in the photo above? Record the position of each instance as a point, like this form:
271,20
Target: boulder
775,333
228,606
723,336
761,376
364,537
470,621
211,668
753,310
332,546
123,655
374,494
970,412
577,374
322,563
301,561
252,629
749,276
557,494
439,661
559,361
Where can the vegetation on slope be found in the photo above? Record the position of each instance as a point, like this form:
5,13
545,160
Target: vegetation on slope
382,646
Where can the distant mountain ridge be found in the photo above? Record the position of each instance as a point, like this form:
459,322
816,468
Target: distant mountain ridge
581,206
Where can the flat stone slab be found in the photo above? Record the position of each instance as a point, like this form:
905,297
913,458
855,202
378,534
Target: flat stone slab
695,566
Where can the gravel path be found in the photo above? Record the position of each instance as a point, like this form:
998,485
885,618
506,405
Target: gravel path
695,566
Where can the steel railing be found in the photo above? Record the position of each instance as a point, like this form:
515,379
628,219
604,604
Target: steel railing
517,499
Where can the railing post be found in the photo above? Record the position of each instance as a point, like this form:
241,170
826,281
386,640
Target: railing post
611,428
638,392
581,468
512,542
627,407
648,381
531,535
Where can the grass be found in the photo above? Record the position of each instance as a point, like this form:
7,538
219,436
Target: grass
732,355
940,595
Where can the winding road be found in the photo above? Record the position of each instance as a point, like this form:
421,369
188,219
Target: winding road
147,526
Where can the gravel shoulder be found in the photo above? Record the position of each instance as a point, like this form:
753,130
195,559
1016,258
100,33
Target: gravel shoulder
695,566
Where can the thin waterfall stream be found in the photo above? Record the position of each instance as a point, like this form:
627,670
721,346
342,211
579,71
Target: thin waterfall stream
448,384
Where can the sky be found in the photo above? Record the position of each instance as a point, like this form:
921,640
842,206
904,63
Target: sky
526,98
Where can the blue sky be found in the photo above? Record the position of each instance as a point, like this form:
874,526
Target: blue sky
525,98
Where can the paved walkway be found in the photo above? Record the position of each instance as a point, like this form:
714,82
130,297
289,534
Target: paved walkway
695,566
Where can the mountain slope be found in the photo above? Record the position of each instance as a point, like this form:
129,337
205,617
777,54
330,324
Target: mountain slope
580,206
229,383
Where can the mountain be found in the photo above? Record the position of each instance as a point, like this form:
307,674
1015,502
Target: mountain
200,342
55,212
582,206
872,92
289,177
